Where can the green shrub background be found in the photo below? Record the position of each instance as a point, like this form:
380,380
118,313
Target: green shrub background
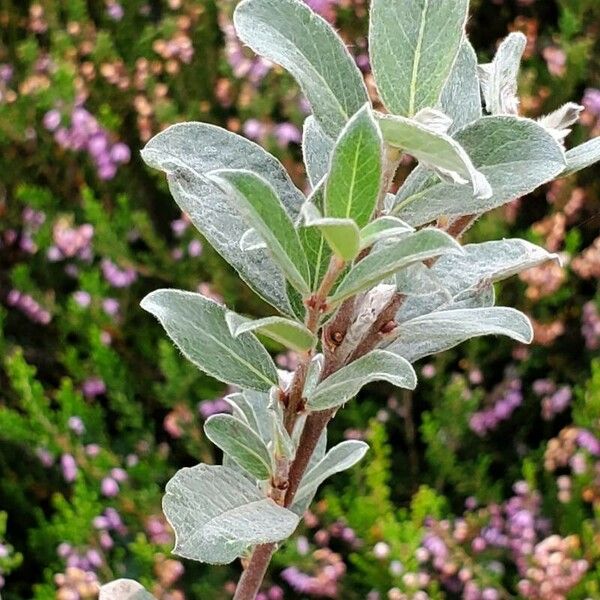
135,76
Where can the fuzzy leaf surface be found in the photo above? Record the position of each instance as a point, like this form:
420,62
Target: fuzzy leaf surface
385,262
352,186
186,152
238,440
515,155
217,514
439,331
377,365
434,150
198,328
259,203
461,98
582,156
413,45
290,34
317,147
124,589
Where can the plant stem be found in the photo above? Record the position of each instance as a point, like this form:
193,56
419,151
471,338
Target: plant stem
254,573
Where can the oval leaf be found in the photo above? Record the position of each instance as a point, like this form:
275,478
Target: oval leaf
259,203
435,151
378,365
217,514
461,98
237,439
354,179
384,228
383,263
582,156
316,150
186,152
290,333
289,33
413,45
515,155
197,326
443,330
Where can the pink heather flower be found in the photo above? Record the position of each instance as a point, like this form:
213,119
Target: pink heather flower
110,306
286,134
76,425
207,408
82,298
120,153
68,467
119,475
254,129
52,120
179,226
92,450
195,248
115,11
45,457
119,278
591,100
109,487
93,386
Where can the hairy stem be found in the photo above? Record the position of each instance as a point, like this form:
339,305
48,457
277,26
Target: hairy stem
253,575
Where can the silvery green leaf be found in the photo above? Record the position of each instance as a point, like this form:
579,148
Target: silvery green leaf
434,120
383,228
124,589
442,330
290,34
282,444
559,122
377,365
217,514
385,262
314,373
251,241
197,326
259,402
434,150
301,505
186,152
242,409
582,156
316,248
488,262
342,235
291,334
461,98
515,155
499,78
316,150
258,202
413,45
339,458
238,440
419,280
352,186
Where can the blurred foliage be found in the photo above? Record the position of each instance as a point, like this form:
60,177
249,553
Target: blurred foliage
98,410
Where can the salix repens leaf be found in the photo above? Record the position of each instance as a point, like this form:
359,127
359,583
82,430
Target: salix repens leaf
354,179
241,443
290,333
198,327
259,204
124,589
413,46
582,156
383,263
217,515
289,33
499,79
461,96
442,330
186,152
316,150
435,150
516,156
377,365
384,228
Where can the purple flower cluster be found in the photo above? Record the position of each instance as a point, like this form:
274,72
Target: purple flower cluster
69,468
590,325
322,584
273,593
87,560
554,399
109,486
591,100
158,531
86,133
108,523
119,278
93,386
71,242
506,399
207,408
284,133
250,68
76,584
29,307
